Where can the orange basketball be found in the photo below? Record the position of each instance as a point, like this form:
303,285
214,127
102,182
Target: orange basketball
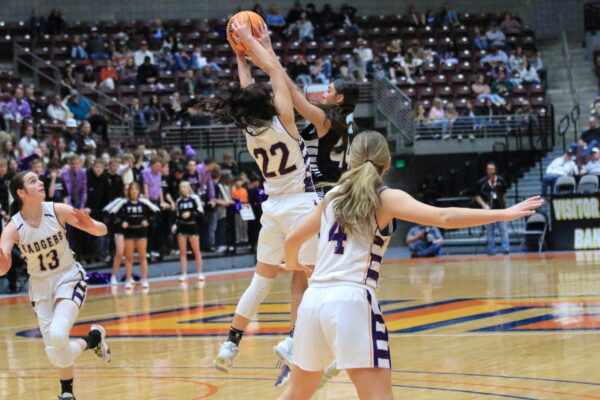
255,21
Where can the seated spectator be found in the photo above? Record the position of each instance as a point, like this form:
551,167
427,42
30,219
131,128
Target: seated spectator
366,54
304,28
469,119
136,114
34,104
347,16
502,86
437,115
78,48
495,36
58,110
109,76
98,124
449,16
155,111
295,13
55,24
510,25
189,84
27,143
560,166
318,71
424,241
121,55
394,48
139,56
516,59
198,61
480,40
591,136
376,67
174,107
592,167
78,105
483,90
128,73
18,108
419,114
83,139
207,83
275,21
36,24
415,18
68,81
495,58
300,72
528,74
147,73
89,78
357,67
97,46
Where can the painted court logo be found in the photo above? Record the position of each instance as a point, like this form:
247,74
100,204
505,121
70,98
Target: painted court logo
401,316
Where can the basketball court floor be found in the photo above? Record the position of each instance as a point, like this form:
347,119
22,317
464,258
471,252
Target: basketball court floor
516,327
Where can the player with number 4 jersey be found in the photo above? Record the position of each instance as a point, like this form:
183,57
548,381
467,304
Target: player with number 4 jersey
273,140
57,287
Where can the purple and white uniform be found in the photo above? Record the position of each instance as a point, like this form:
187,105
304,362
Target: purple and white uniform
339,317
283,161
54,272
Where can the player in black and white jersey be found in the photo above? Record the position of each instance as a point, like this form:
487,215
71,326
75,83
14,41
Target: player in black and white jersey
188,208
339,317
57,286
273,141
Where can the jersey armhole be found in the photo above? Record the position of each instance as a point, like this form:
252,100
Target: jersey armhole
56,216
298,139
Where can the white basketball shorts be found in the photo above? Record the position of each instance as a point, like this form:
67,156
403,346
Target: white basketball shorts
281,213
340,322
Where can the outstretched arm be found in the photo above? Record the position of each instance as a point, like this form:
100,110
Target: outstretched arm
9,237
261,57
309,111
399,204
79,219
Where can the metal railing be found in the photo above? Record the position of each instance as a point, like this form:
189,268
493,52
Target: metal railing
567,56
395,108
109,106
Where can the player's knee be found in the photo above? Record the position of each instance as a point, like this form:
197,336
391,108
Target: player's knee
51,355
259,289
59,333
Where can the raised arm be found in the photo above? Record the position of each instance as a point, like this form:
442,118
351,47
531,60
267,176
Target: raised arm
261,57
9,237
399,204
243,70
309,111
79,219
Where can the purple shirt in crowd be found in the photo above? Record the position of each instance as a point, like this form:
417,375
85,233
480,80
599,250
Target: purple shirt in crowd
76,183
206,180
16,108
153,181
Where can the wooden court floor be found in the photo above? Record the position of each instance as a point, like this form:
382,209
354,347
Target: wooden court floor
518,327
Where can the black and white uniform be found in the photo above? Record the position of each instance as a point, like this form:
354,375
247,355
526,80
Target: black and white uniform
133,213
328,155
188,226
54,273
283,161
339,317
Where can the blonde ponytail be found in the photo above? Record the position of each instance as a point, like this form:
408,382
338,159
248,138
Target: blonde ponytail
356,200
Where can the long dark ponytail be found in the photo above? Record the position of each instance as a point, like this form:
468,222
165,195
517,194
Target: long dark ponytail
251,106
337,114
16,183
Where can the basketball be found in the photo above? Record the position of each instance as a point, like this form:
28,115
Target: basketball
232,37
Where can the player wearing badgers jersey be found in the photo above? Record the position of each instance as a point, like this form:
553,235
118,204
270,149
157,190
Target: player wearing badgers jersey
57,287
189,209
339,317
273,140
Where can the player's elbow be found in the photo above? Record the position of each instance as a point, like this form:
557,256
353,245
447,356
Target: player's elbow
444,219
